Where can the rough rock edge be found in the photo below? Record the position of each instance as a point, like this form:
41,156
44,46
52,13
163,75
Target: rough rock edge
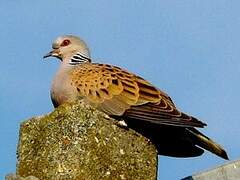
76,141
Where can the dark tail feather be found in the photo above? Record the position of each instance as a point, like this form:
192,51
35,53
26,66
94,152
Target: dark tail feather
208,144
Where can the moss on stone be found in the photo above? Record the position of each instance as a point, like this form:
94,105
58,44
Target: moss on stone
76,141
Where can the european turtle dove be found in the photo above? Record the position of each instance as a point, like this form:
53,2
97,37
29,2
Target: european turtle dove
126,96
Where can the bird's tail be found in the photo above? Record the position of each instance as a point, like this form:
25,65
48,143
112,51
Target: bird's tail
208,144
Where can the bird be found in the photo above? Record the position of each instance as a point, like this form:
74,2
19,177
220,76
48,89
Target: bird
128,98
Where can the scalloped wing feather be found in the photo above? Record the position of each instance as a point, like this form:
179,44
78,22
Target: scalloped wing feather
120,93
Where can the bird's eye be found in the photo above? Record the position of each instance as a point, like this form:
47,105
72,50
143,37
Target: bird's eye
66,42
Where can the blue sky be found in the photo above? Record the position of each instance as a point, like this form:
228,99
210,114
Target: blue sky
189,49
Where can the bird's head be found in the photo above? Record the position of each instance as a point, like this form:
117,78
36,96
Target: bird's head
67,47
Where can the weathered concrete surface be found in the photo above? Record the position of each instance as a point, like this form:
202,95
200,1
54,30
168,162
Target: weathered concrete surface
229,171
17,177
78,142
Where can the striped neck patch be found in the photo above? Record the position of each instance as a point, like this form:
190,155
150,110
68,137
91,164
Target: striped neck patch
79,58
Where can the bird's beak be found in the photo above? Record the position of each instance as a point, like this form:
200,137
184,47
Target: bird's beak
53,53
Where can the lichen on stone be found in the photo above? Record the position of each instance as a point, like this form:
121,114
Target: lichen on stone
76,141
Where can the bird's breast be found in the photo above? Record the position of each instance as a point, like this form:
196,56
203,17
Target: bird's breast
62,90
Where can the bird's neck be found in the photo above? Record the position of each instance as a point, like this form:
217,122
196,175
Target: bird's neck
72,61
78,58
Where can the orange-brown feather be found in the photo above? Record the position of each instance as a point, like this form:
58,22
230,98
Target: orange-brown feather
118,92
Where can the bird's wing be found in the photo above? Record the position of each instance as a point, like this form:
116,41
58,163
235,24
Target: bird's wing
120,93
